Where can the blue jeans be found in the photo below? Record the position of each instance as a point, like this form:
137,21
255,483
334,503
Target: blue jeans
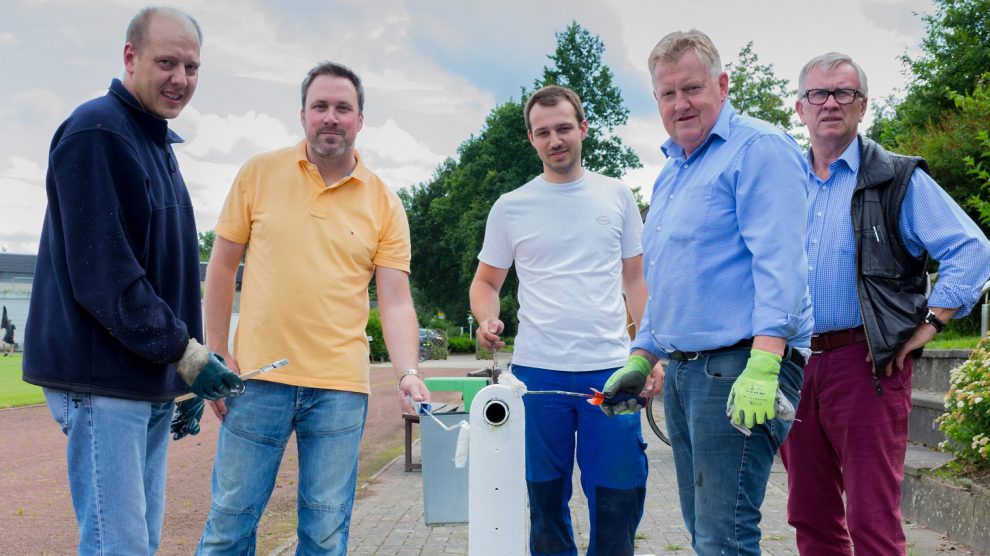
328,426
117,451
611,455
721,474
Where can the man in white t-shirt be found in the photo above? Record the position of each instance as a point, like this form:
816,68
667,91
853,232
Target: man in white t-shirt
574,237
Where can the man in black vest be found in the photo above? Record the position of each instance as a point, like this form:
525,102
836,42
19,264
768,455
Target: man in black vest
874,218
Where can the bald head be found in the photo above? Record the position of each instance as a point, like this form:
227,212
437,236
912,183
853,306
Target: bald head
137,29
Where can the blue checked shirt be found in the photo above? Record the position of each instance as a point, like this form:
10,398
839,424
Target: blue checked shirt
930,221
723,245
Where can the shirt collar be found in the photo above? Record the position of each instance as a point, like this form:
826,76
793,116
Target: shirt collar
720,129
155,126
849,157
361,173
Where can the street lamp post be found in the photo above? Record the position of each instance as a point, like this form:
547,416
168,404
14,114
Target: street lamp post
470,327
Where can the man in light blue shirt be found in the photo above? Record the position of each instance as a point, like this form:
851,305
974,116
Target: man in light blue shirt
874,219
728,305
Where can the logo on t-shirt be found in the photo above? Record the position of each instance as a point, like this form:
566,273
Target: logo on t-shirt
603,220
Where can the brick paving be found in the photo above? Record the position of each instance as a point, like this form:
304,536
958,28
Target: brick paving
388,518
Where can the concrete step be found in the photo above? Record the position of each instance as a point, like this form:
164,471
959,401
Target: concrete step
931,372
926,407
958,507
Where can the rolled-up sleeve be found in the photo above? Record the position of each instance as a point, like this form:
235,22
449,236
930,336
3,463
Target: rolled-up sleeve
931,221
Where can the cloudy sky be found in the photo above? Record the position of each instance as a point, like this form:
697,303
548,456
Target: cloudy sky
433,69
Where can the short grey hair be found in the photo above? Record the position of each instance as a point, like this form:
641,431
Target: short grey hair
674,45
137,29
336,70
829,62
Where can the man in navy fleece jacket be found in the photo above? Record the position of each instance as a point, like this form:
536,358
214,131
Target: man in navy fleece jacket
115,319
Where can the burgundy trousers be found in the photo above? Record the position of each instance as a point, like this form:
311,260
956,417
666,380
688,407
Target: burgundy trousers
847,440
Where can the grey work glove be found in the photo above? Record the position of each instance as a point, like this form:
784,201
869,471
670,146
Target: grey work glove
206,374
186,418
623,388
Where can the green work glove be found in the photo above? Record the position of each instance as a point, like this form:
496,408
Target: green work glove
186,418
206,374
622,389
754,393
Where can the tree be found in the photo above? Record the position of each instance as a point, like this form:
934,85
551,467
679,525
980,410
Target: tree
975,108
577,63
206,240
447,214
756,91
954,54
950,141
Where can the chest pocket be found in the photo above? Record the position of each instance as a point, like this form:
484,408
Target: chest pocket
689,210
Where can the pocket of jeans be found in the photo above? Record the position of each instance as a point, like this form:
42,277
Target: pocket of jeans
725,367
58,405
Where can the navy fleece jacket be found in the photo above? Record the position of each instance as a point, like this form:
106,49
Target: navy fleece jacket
116,292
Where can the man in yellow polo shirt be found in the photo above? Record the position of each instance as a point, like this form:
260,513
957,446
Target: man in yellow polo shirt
319,225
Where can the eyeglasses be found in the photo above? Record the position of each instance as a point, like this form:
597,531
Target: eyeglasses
842,96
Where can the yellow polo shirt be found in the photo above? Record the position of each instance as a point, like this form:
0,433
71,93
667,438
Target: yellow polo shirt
310,256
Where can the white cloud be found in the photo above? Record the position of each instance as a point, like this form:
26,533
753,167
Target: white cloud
24,204
24,170
9,39
394,143
217,134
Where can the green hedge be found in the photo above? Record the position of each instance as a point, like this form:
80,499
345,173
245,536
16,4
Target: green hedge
377,341
460,344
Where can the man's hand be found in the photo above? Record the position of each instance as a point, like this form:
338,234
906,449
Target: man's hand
628,381
654,384
488,334
186,418
206,374
219,407
751,400
412,387
922,335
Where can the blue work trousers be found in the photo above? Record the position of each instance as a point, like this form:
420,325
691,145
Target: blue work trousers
610,453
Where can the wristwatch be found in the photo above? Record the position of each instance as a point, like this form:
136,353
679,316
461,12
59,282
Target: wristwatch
406,373
931,319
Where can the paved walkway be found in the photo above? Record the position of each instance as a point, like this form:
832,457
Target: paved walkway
388,518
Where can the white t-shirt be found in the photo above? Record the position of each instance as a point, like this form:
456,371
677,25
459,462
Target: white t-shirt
568,242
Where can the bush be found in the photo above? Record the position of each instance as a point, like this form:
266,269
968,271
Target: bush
374,331
967,421
460,344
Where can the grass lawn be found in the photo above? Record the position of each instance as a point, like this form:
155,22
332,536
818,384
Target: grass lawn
953,341
14,392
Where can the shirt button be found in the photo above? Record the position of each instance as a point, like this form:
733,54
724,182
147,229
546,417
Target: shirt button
685,166
658,228
819,213
671,196
649,298
652,263
815,241
811,267
653,331
823,188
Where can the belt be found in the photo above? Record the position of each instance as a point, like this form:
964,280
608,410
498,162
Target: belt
789,353
836,339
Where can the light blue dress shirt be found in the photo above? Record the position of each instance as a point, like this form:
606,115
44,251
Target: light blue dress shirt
723,245
930,221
